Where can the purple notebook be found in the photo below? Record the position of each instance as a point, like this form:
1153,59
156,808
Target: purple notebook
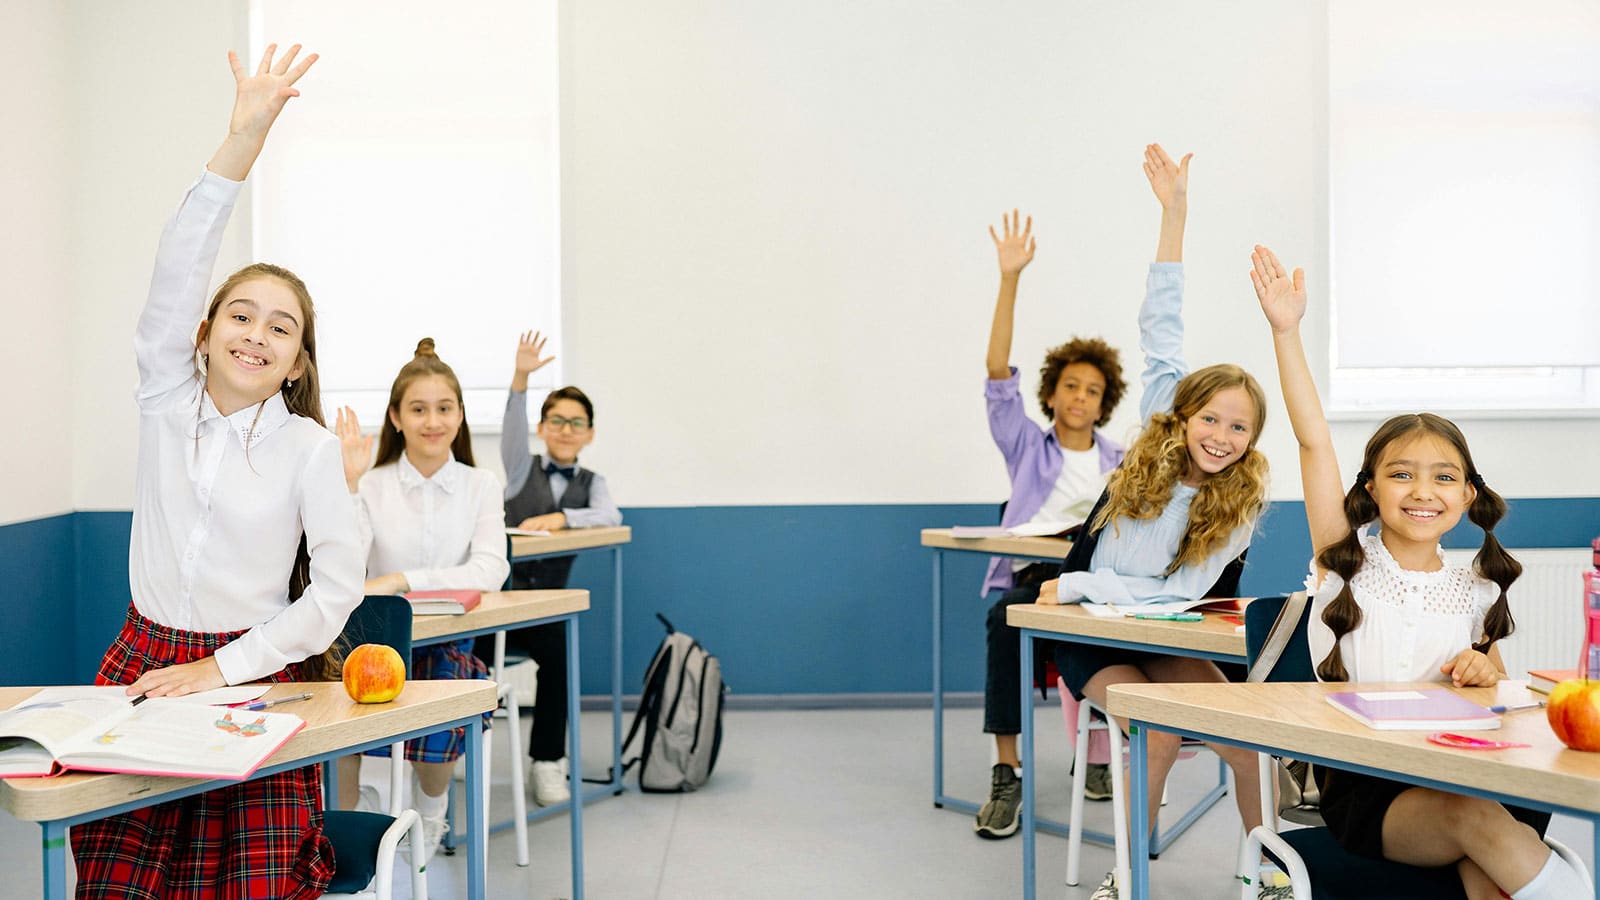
1426,710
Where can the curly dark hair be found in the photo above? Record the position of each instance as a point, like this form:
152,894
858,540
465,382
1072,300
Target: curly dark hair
1096,353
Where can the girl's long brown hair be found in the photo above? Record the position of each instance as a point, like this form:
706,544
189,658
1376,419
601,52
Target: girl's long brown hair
303,397
1345,556
391,443
1141,487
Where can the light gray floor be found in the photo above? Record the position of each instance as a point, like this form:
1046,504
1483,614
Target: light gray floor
821,803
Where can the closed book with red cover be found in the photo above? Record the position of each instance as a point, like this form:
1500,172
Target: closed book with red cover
1544,681
1425,710
444,603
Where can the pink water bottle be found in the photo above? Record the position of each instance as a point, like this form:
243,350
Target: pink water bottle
1589,661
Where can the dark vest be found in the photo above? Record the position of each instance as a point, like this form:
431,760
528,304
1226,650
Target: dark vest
536,499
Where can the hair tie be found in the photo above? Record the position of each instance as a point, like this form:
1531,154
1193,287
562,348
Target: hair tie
1477,480
1363,476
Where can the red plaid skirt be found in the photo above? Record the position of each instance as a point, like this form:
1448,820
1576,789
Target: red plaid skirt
260,838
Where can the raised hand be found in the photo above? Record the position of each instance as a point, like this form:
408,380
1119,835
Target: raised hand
1283,298
530,353
356,449
1169,180
1016,248
258,99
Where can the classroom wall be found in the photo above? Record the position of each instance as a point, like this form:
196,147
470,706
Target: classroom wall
778,280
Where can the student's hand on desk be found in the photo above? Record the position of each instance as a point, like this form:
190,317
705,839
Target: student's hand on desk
1016,248
356,450
1048,594
175,681
394,583
548,522
1471,669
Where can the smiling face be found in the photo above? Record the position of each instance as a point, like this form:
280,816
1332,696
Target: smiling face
1421,487
1220,432
1075,405
564,440
253,343
428,417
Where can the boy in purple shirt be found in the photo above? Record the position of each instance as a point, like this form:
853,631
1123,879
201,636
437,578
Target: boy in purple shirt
1057,473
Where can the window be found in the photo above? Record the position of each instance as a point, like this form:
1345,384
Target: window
415,188
1464,203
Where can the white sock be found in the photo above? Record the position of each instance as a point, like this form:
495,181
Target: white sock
431,807
1556,881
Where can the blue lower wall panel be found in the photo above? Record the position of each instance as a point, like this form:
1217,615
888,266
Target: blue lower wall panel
794,599
36,591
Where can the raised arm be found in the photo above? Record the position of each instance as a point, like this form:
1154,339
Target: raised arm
1015,250
258,99
1170,183
1283,302
515,455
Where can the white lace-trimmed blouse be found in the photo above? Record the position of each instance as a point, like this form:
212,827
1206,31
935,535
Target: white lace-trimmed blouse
1411,622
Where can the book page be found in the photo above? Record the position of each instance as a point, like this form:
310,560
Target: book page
55,718
525,532
171,737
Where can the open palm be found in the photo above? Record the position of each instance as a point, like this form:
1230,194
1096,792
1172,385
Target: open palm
260,96
1169,180
1282,296
1016,248
530,352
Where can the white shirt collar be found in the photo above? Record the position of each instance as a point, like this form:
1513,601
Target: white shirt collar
251,424
447,479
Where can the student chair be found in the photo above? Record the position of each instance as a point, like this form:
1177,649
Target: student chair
364,843
1318,867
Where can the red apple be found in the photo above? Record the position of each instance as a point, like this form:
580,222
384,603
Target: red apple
374,673
1574,713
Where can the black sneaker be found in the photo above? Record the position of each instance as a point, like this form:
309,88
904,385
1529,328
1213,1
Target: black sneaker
1097,782
999,817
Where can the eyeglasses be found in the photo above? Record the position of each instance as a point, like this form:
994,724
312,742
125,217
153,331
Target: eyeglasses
557,423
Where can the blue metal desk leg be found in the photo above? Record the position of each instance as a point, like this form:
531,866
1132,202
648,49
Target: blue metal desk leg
616,669
1028,837
938,679
575,753
477,827
55,860
330,784
1139,814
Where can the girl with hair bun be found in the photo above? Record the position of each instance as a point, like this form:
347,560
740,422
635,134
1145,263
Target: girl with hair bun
429,520
1386,608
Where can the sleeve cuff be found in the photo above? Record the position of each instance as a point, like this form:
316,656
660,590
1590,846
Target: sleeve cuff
1003,388
233,664
214,186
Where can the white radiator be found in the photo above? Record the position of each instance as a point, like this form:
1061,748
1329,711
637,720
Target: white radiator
1547,605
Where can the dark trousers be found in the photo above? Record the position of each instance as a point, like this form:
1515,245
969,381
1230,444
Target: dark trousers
547,646
1002,683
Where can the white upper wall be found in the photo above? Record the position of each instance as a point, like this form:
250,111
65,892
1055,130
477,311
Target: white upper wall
778,279
36,255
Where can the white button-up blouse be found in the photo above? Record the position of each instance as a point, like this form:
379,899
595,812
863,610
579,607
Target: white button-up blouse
446,532
220,502
1411,622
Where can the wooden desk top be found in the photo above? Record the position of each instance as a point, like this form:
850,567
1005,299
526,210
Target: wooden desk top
1295,718
570,539
501,608
1029,547
333,721
1214,635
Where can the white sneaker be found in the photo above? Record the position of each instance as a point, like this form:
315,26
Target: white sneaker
432,836
549,783
1107,889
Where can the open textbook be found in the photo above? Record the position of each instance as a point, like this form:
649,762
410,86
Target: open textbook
103,730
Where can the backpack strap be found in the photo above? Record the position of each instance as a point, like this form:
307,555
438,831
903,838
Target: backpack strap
1278,637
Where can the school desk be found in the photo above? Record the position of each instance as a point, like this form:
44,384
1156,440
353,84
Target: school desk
1295,720
571,541
336,726
1215,638
941,542
503,610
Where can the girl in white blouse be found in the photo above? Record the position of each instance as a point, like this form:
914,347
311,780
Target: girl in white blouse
1385,608
240,567
429,521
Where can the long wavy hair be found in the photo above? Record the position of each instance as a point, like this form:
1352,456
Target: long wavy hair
426,362
303,397
1142,486
1345,556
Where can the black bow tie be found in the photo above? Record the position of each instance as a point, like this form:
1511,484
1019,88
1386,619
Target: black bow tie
566,471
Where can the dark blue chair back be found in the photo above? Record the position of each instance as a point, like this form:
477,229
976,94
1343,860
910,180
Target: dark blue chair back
381,619
1295,663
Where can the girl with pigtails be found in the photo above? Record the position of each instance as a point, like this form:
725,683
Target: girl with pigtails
1386,608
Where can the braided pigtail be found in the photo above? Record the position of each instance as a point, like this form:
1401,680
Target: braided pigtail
1492,561
1345,558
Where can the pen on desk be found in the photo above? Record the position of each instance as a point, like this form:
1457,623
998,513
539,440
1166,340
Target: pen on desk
1516,707
263,704
1170,617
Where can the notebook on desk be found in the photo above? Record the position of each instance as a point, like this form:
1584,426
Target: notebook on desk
1426,710
443,603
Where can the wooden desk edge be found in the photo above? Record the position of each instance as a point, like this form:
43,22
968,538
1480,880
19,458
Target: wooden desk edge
1011,545
1214,635
502,608
573,539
